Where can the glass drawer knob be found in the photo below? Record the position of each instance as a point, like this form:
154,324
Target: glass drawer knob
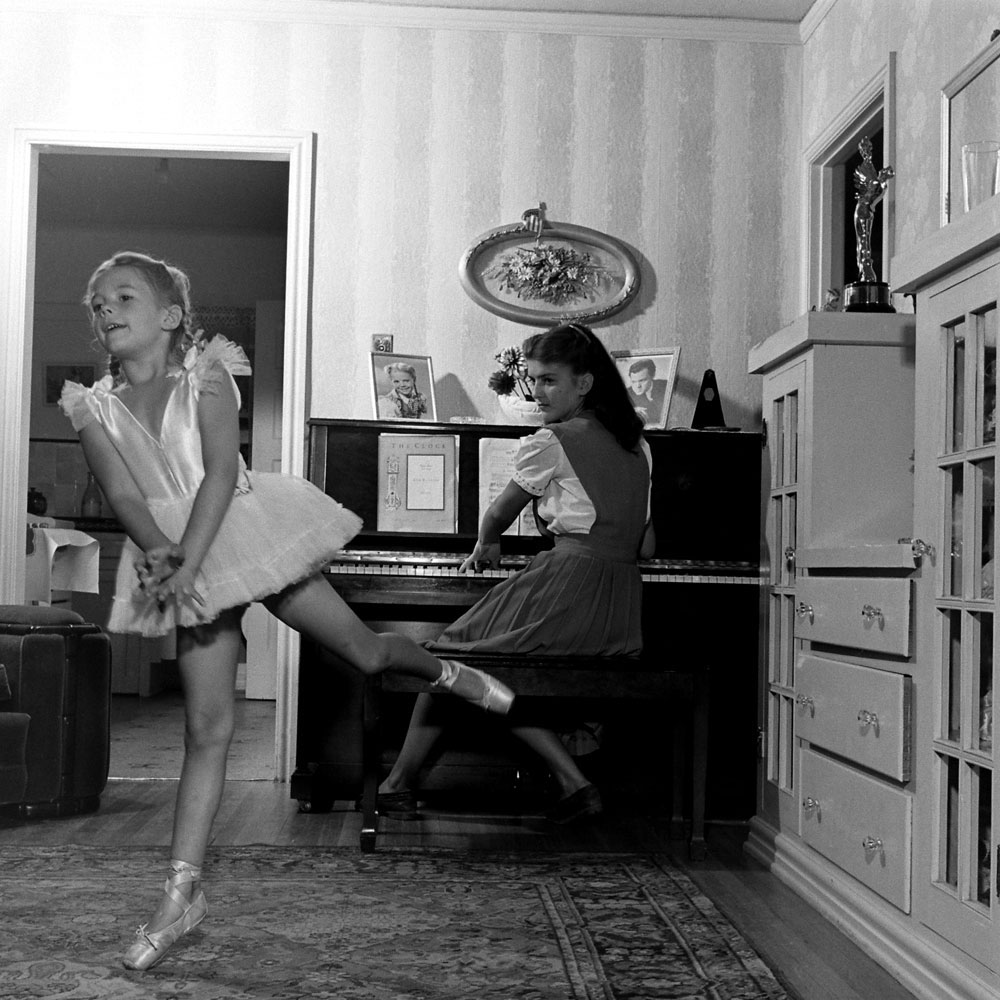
805,701
803,610
870,614
871,844
867,718
809,803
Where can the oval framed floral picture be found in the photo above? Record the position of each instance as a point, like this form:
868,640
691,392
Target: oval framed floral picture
562,273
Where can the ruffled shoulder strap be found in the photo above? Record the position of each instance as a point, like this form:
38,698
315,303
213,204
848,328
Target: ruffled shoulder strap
79,403
207,365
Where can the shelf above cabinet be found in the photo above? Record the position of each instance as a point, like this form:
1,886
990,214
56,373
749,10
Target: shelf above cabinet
840,328
970,236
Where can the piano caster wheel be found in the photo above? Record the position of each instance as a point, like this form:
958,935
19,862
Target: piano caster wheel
315,805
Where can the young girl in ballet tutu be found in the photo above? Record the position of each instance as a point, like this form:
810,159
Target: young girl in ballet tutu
588,473
205,538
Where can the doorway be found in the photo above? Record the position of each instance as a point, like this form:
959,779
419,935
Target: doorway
165,153
225,223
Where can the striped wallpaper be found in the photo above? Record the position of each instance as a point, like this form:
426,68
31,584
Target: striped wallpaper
427,136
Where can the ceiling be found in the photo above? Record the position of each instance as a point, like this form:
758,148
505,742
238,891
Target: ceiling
85,189
791,11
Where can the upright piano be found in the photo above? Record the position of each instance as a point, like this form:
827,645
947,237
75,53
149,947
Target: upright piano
701,594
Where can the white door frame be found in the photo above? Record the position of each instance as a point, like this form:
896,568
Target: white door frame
16,336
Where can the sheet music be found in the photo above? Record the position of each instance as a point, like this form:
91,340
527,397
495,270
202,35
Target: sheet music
496,468
417,483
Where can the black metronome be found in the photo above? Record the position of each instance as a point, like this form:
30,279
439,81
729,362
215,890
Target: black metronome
708,412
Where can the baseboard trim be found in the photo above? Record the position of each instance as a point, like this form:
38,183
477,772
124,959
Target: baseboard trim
899,943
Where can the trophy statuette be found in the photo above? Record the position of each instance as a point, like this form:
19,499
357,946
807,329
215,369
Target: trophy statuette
867,294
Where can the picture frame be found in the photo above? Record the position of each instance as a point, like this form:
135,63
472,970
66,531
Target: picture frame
53,377
481,272
388,402
967,100
653,371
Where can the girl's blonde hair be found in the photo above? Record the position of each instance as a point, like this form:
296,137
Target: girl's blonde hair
170,284
402,366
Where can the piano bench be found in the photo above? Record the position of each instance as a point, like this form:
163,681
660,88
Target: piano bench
600,677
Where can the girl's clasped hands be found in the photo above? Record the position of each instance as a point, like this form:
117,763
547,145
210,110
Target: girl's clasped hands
162,576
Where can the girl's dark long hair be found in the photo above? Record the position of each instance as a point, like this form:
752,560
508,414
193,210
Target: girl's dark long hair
576,345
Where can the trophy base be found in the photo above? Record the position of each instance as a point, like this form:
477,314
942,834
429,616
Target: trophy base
868,296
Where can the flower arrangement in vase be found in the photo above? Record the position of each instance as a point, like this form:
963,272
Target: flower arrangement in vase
510,383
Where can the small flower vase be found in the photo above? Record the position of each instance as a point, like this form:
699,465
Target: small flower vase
520,411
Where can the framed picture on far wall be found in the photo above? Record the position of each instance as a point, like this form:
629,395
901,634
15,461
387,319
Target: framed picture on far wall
649,378
402,387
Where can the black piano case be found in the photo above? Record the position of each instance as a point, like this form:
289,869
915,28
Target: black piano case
58,667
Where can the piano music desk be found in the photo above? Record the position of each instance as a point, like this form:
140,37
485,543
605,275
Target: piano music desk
684,693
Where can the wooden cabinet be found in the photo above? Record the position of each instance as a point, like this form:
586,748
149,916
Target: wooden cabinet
889,658
839,499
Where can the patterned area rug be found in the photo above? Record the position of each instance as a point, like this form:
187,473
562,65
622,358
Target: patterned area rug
429,925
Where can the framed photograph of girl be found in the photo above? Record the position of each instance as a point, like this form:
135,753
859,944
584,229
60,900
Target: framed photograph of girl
402,387
649,377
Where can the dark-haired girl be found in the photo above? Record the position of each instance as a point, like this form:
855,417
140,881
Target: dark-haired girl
587,472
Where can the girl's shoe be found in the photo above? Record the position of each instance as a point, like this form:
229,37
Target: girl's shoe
150,947
584,803
496,696
398,805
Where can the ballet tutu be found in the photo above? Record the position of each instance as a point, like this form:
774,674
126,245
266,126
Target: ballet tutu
279,532
568,600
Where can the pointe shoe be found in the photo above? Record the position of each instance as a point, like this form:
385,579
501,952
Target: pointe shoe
496,696
150,947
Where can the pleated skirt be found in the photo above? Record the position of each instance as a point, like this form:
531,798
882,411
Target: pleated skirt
563,602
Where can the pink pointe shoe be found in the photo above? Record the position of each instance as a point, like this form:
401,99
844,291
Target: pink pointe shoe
149,947
496,697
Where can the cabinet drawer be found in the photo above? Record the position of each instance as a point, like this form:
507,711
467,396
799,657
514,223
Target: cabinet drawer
870,613
857,712
860,824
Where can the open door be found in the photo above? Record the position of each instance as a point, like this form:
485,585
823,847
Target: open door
259,627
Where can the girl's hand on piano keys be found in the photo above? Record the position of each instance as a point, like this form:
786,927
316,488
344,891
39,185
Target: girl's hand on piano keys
483,557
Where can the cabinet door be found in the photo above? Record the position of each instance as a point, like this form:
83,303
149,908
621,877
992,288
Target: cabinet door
955,877
786,411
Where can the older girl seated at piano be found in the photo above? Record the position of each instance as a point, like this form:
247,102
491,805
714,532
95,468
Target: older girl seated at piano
205,538
587,472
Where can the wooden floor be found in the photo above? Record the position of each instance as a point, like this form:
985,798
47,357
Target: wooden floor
813,960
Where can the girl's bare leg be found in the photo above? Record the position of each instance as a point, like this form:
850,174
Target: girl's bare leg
549,747
314,608
421,735
207,659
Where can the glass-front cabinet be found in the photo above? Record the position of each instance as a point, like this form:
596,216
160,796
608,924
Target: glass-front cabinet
841,483
785,390
956,882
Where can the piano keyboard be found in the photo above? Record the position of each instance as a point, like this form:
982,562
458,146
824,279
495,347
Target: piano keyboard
428,565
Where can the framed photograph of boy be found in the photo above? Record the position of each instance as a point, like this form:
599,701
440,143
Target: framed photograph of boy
402,387
649,378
